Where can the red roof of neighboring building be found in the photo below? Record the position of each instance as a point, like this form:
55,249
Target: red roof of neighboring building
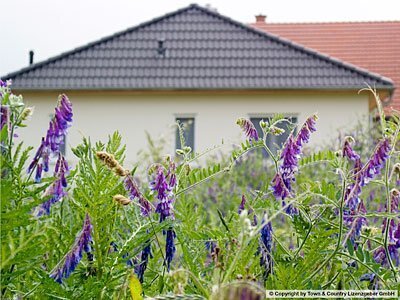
374,46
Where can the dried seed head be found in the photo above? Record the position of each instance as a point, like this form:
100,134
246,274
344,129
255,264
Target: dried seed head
121,199
110,161
396,170
120,171
107,159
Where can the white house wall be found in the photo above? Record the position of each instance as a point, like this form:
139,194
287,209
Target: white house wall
99,114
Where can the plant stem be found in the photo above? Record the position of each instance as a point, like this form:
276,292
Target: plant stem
339,237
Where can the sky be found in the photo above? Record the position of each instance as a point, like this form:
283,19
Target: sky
50,27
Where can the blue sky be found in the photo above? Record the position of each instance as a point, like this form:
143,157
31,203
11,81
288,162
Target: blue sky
50,27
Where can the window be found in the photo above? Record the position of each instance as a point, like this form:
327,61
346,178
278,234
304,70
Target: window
275,142
187,124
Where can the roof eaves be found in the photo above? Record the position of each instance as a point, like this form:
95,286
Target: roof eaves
316,88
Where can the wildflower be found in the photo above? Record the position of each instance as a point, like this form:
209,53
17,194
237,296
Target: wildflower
74,256
4,116
279,188
164,194
377,161
265,247
59,124
393,234
54,138
169,247
134,192
306,130
348,150
121,200
248,127
163,186
242,203
281,184
144,259
56,191
355,222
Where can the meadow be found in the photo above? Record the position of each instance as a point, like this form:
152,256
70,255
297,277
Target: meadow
231,227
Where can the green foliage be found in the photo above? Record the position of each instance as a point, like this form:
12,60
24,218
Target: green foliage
218,248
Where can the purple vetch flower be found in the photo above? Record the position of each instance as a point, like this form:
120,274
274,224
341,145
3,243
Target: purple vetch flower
377,161
242,204
164,193
4,116
393,234
265,247
56,191
59,124
248,127
306,130
279,188
348,150
281,184
163,186
74,256
354,220
132,188
170,248
144,259
381,258
50,145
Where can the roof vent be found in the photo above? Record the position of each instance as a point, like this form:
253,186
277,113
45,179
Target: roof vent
161,50
31,53
260,18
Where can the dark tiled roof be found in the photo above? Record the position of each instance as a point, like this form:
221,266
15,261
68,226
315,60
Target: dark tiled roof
371,45
204,50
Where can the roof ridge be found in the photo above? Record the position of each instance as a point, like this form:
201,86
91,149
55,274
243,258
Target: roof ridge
330,22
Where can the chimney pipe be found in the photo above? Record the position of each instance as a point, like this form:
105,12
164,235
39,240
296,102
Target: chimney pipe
161,48
31,53
260,18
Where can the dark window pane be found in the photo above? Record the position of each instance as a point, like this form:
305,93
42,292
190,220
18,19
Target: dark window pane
187,125
275,142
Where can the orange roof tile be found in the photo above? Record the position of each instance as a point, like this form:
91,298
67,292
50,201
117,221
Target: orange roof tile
374,46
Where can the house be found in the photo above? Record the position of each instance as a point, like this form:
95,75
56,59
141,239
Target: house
374,46
197,67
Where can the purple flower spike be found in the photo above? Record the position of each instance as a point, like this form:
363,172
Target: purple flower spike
377,161
4,116
170,248
279,188
132,188
144,259
281,184
242,204
306,130
50,145
348,150
74,256
265,247
57,190
164,194
248,127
